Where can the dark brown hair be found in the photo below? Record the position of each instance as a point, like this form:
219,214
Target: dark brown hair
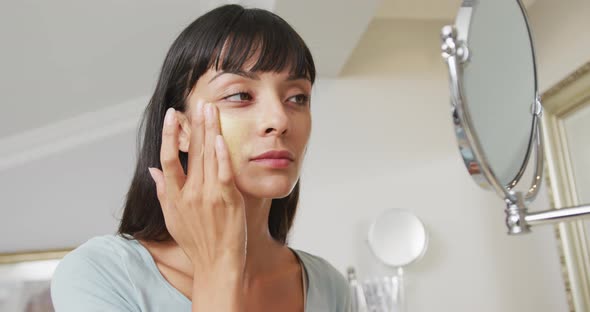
240,32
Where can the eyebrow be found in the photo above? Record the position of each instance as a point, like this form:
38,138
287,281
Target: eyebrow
254,76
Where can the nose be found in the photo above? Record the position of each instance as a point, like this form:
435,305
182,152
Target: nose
274,119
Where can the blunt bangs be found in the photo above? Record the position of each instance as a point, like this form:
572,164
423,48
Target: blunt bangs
270,41
252,40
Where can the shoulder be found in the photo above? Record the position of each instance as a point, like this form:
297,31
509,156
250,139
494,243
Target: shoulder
321,267
94,275
101,255
326,280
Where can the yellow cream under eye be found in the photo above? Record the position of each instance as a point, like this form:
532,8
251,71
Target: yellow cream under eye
234,131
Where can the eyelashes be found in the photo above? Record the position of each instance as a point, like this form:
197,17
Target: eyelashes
244,96
302,99
239,97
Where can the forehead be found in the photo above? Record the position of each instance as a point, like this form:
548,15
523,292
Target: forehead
256,55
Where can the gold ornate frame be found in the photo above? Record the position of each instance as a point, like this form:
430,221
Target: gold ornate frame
40,265
9,258
559,102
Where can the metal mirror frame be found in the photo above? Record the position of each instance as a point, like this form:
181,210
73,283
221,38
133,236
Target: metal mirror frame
478,166
455,52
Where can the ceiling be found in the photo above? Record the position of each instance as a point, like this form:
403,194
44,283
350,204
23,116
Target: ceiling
62,59
423,9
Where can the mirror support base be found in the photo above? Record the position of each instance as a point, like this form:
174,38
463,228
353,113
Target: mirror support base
520,221
516,213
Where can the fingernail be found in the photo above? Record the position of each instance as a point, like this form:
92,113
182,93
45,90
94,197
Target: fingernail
150,169
169,119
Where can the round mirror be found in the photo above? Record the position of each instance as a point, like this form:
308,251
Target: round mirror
499,87
397,238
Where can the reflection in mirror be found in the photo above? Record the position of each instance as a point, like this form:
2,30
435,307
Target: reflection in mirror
500,86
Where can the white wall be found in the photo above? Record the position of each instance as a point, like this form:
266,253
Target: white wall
382,138
63,199
561,31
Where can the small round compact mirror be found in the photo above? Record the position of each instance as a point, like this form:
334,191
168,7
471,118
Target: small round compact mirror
397,238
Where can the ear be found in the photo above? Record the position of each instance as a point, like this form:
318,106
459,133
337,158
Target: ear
184,136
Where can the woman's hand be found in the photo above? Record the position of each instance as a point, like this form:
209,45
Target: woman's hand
204,211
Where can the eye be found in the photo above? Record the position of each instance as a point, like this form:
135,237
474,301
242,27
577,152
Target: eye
300,99
239,97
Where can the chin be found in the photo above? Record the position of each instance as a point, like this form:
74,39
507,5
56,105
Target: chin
268,187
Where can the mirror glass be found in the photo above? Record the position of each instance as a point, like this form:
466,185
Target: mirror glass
397,238
499,85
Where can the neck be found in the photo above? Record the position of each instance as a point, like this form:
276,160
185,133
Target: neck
261,246
262,249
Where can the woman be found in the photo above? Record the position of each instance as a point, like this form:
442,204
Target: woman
216,185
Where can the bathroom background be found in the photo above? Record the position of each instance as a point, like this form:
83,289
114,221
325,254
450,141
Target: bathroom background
75,76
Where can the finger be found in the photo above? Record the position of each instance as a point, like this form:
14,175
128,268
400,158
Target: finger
211,132
171,167
195,149
225,175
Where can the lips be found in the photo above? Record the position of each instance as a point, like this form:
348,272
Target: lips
276,163
275,154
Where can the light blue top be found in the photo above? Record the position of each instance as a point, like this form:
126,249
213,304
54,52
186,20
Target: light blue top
111,273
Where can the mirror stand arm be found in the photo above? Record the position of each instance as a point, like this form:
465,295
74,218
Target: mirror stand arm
519,220
557,215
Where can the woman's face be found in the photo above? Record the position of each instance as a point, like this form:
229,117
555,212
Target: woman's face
259,112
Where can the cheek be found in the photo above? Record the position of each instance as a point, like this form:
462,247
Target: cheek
234,132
